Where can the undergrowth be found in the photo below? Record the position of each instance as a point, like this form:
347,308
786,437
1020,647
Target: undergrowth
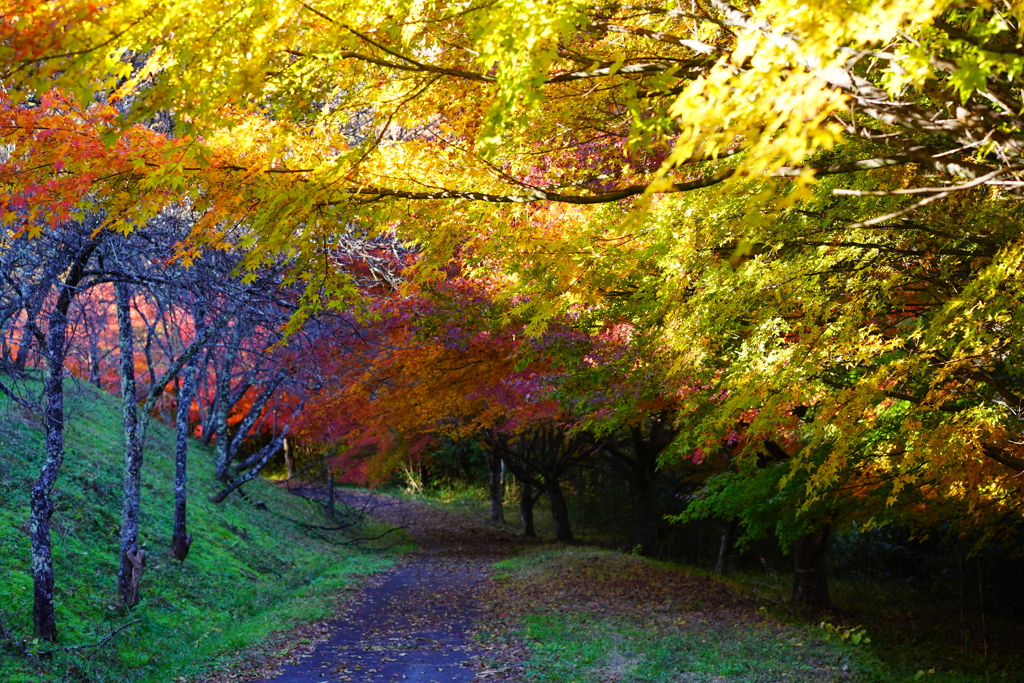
252,569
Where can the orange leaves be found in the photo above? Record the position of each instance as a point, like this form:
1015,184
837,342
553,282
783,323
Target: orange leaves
34,32
433,367
61,152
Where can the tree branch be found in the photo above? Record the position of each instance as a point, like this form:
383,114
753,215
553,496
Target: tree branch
100,643
538,195
21,401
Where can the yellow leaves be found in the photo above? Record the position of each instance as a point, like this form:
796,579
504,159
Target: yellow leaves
780,113
519,39
418,11
773,92
160,60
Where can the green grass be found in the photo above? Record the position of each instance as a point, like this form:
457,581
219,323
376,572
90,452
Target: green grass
579,647
250,572
595,616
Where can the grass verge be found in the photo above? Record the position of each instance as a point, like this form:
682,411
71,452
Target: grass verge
603,617
252,570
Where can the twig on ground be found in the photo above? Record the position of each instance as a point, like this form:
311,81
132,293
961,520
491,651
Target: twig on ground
100,643
314,495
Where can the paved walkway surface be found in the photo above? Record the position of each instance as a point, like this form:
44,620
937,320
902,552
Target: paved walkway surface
413,624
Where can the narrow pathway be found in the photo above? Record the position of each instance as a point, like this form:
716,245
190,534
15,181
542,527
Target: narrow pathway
412,624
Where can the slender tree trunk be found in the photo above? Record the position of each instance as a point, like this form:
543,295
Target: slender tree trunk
722,566
40,500
94,366
496,488
810,583
289,459
258,460
181,541
129,572
252,415
223,405
559,510
32,310
41,503
256,463
148,352
526,509
208,422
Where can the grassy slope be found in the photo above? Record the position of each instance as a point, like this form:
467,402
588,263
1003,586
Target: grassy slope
250,571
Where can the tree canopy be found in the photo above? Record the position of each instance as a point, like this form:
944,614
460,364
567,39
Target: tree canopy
808,212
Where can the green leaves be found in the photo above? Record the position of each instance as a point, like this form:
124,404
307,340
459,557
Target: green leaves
518,41
972,75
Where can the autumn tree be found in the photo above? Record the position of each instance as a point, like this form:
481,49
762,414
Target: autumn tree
810,207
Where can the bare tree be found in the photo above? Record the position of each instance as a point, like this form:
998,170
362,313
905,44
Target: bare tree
51,273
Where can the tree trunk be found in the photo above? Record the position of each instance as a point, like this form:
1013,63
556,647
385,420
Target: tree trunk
810,583
526,510
252,414
5,353
222,405
207,421
496,488
289,459
43,614
95,377
181,541
129,572
559,510
32,310
258,460
722,566
645,513
40,501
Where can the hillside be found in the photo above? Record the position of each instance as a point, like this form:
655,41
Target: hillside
251,569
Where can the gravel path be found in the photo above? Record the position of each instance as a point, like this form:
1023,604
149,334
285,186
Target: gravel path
412,624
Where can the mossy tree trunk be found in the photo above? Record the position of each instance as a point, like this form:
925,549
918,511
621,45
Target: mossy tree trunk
54,347
181,540
131,556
